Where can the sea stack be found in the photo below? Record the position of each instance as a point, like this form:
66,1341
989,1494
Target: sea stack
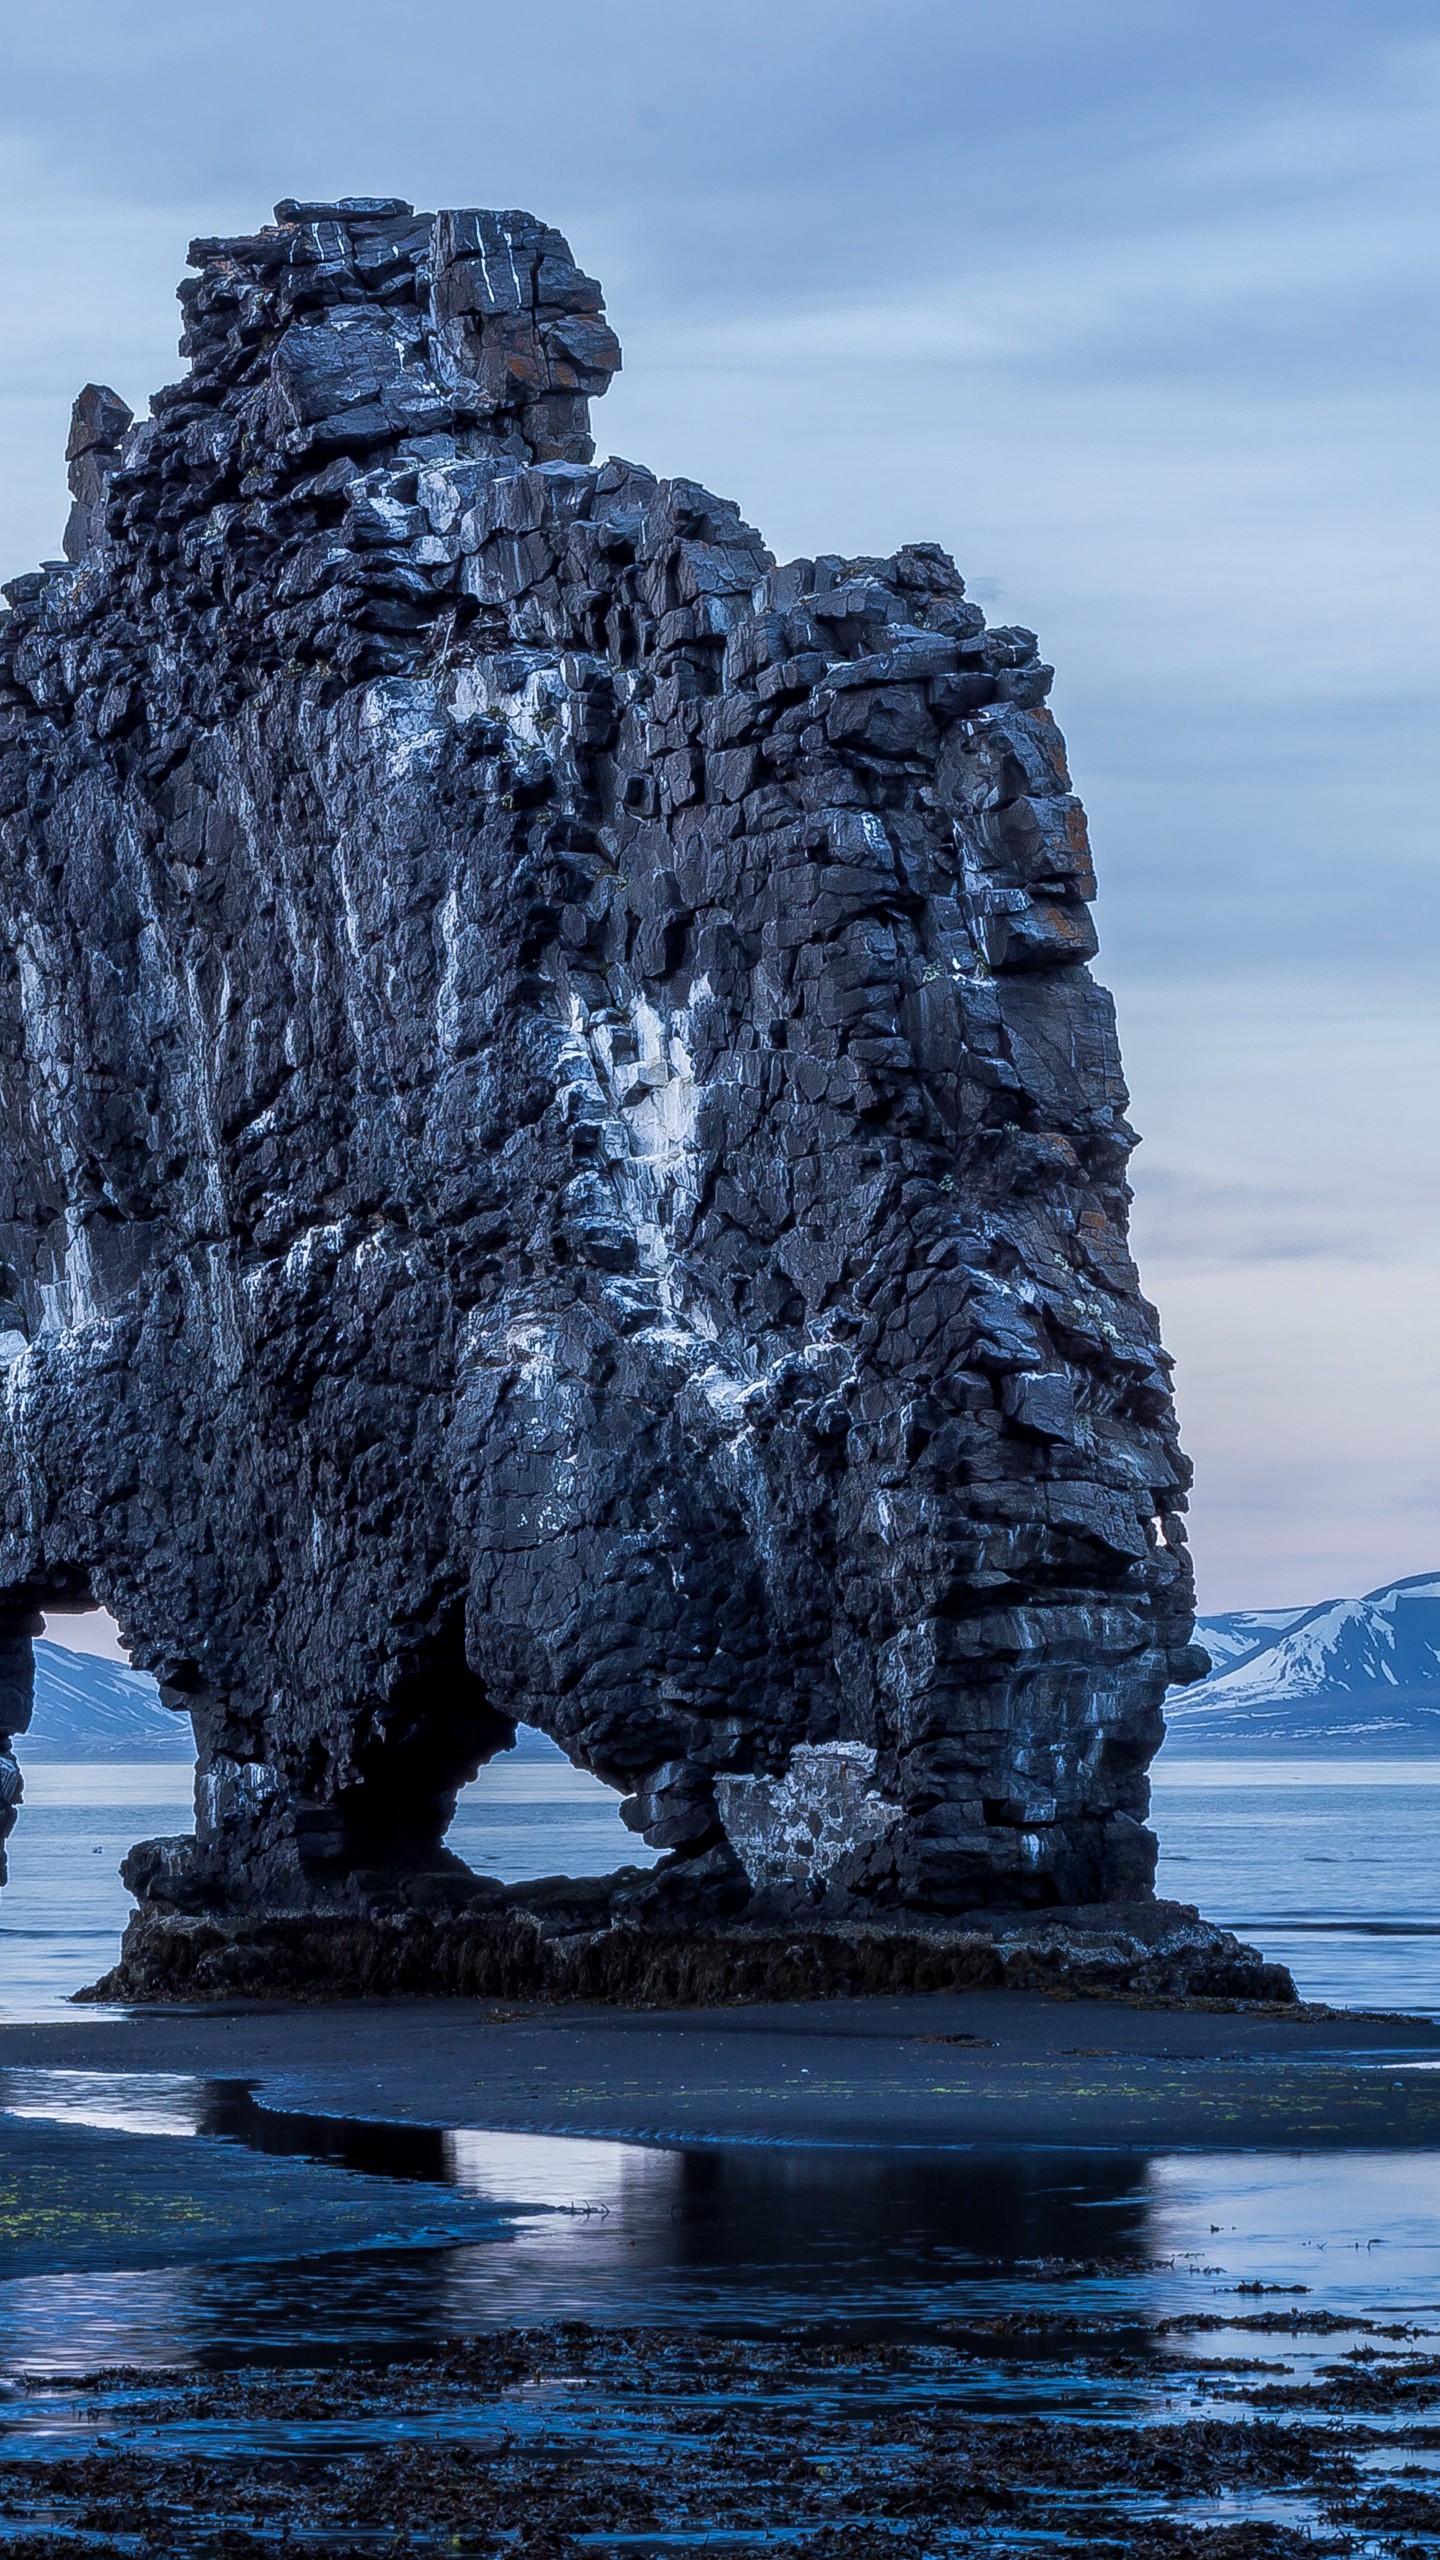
562,1158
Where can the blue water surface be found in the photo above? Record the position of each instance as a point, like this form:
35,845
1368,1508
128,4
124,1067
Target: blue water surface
1331,1866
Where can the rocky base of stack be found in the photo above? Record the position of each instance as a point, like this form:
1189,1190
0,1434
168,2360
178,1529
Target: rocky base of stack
535,1951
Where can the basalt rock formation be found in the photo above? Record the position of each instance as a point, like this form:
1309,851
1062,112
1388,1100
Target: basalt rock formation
561,1157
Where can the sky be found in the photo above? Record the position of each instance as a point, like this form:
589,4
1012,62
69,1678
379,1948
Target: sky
1132,305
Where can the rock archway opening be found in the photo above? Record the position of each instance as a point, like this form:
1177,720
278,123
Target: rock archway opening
92,1758
532,1814
90,1705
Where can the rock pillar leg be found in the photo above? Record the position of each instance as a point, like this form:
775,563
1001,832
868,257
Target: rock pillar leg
18,1629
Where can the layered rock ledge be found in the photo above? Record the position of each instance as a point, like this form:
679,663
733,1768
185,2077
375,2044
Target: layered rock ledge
585,1940
560,1156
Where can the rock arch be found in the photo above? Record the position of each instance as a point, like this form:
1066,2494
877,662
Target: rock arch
561,1156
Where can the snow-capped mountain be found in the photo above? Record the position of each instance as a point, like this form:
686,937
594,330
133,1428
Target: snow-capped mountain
1236,1633
89,1709
1344,1675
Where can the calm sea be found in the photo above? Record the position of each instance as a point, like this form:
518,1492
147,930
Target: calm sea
1333,1866
1329,1865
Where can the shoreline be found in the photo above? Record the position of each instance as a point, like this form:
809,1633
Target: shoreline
571,2438
679,2274
961,2070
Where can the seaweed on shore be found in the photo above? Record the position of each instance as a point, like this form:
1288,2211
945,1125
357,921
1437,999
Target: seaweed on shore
548,2444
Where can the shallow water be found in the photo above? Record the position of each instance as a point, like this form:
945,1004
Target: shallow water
732,2237
64,1908
841,2308
1332,1867
169,2225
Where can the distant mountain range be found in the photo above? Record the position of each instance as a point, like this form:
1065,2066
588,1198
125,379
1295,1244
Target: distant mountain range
88,1709
1345,1675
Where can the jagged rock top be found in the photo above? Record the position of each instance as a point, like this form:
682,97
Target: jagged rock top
562,1156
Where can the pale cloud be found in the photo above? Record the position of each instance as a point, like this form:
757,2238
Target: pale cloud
1067,299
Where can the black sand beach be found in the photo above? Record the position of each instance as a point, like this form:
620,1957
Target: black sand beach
976,2067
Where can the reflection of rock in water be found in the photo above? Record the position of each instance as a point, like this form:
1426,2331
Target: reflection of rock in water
559,2228
564,1158
580,2221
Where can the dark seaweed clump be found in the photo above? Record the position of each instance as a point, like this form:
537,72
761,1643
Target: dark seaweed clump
540,2444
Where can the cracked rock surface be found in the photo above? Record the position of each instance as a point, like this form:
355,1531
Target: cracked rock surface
562,1159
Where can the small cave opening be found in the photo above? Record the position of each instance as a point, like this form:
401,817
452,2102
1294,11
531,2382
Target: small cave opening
102,1764
532,1813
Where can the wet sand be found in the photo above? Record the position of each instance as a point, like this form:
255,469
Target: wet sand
934,2070
1153,2399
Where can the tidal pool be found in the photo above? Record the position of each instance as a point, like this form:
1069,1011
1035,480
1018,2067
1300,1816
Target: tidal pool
640,2346
420,2232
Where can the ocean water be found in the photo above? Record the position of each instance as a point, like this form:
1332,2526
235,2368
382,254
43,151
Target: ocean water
481,2230
1333,1867
64,1908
